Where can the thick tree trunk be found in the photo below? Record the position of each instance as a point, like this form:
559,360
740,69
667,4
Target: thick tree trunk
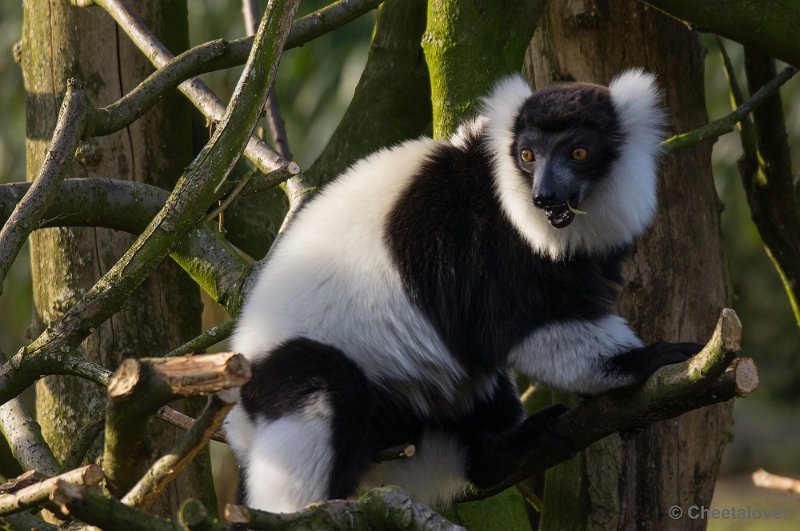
59,42
675,280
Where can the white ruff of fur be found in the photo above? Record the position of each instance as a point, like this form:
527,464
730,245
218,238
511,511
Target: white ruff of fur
620,208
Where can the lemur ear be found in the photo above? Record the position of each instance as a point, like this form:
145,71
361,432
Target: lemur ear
502,104
637,100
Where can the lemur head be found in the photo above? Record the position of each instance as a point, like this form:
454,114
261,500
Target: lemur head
575,163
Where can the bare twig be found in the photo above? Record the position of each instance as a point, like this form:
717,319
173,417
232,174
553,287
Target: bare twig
403,451
762,478
210,337
70,129
167,468
184,421
380,508
38,493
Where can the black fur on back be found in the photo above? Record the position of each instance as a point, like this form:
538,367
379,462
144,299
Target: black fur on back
472,274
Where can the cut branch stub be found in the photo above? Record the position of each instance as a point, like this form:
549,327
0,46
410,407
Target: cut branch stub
762,478
140,388
37,493
184,376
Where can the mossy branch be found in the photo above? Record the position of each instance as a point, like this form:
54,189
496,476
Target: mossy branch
89,506
771,29
712,376
204,254
458,33
387,508
216,55
728,123
210,337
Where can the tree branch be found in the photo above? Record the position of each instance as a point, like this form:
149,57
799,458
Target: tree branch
95,509
167,468
768,180
712,376
728,123
455,92
69,130
24,437
121,205
386,508
26,522
210,337
746,21
762,478
184,421
38,493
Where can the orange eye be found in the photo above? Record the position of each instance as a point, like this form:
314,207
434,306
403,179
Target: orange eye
527,155
580,153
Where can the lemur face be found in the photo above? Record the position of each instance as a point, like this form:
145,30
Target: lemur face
566,138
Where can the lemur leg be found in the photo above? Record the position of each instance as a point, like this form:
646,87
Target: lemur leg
309,407
497,436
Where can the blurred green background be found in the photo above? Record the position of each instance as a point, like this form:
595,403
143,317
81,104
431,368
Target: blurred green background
314,85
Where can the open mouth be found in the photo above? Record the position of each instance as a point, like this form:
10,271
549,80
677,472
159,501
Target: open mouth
559,216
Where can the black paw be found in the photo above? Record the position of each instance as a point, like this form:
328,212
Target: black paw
640,363
661,353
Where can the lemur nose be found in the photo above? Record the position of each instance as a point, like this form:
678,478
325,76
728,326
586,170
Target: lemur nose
544,201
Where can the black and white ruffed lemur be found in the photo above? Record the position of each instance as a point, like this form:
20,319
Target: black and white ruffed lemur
391,309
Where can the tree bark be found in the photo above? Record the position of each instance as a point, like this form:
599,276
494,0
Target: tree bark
61,41
675,281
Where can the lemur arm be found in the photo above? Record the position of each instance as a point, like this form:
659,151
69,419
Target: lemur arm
591,356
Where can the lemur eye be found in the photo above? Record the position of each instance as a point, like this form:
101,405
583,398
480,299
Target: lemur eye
580,153
527,155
